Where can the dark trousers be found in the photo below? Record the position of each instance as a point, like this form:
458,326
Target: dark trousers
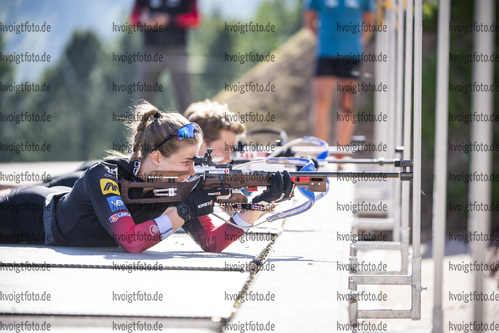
21,215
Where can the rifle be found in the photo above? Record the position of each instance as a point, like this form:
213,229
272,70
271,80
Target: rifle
220,180
223,182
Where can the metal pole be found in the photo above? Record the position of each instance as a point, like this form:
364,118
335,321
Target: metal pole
397,188
481,133
408,80
400,71
407,132
416,188
392,90
392,111
440,173
381,97
418,54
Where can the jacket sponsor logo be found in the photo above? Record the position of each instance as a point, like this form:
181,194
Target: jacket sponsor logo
111,173
115,217
116,203
109,186
153,229
209,203
136,167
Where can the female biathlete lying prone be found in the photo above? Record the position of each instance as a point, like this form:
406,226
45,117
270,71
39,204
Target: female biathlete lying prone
92,213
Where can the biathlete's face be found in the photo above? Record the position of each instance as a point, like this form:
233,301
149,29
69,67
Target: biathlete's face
222,147
182,160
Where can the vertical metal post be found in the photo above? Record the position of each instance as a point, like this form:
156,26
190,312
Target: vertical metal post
416,188
407,132
440,173
408,80
397,186
392,119
400,71
416,182
481,133
392,84
380,97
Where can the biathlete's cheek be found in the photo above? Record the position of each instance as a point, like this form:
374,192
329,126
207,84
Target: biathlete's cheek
183,178
189,165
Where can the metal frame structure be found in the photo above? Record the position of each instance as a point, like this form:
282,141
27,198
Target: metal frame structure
401,194
480,161
399,129
410,200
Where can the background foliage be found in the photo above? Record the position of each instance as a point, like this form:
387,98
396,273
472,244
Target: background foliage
82,103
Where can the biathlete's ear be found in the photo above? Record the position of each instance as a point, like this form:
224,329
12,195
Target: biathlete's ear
155,157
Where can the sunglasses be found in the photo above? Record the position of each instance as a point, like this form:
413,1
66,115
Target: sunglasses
186,131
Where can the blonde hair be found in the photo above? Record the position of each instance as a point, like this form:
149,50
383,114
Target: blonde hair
213,117
150,126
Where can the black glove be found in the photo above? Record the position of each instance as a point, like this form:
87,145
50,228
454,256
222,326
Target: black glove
198,203
281,188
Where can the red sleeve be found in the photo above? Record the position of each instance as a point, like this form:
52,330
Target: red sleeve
210,237
190,19
112,213
135,238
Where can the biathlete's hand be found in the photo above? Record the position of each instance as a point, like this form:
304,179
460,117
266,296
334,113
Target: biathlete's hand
281,188
198,203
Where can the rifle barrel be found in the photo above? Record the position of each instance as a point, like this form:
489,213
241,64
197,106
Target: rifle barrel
337,174
361,161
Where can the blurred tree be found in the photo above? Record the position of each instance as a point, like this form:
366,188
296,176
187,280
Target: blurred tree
6,74
211,42
208,46
81,103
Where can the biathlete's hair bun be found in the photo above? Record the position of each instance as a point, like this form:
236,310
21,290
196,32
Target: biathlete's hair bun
157,115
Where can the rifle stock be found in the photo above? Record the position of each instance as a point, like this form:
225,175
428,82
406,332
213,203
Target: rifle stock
218,184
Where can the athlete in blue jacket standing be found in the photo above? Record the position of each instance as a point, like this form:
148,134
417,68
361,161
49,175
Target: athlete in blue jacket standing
342,27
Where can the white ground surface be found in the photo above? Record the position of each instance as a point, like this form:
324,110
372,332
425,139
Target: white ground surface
300,281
